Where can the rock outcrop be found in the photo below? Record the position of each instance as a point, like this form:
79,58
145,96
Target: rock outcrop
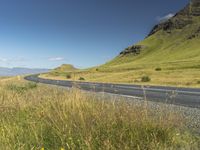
183,18
180,20
195,7
135,49
195,34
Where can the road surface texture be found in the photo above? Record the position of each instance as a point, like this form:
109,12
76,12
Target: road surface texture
188,97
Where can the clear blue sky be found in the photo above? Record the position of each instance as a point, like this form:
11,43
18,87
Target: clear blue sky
47,33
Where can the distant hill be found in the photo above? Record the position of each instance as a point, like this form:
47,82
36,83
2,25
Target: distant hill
63,70
20,71
66,68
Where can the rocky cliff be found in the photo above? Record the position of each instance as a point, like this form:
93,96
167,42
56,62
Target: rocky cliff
183,18
180,20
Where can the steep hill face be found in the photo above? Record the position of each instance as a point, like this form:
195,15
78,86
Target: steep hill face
195,7
173,41
169,55
181,19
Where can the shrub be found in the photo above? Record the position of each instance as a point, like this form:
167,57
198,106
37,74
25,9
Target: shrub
158,69
97,69
145,79
81,78
68,76
198,82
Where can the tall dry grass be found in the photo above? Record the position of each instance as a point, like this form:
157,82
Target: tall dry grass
37,116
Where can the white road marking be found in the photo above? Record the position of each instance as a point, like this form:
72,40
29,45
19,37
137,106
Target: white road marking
127,96
159,90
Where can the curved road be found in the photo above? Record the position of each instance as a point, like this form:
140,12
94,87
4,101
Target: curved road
189,97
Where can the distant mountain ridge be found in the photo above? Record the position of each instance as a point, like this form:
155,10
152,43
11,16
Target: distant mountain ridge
20,71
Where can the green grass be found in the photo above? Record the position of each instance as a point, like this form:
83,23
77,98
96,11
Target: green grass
52,118
145,79
64,70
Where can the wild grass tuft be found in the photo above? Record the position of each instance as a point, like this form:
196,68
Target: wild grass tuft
145,79
53,118
21,88
81,79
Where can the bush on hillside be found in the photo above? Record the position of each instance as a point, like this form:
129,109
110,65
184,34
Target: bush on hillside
158,69
68,76
145,79
81,78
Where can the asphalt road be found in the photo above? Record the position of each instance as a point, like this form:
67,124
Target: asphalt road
189,97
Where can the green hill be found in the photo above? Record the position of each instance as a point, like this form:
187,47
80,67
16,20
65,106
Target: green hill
66,68
63,71
169,55
175,42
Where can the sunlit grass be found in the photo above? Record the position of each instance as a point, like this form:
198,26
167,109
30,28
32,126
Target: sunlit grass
52,118
165,77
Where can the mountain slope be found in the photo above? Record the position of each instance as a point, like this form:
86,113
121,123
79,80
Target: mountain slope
169,55
175,40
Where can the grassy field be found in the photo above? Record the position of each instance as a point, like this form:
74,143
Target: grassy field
180,78
35,116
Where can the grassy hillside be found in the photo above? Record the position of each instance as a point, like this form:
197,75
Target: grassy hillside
35,116
171,50
63,70
170,55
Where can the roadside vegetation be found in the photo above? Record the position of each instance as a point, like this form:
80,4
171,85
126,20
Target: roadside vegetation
35,116
145,79
165,77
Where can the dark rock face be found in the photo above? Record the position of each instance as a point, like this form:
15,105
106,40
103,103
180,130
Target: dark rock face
135,49
195,34
170,25
183,18
180,20
195,7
